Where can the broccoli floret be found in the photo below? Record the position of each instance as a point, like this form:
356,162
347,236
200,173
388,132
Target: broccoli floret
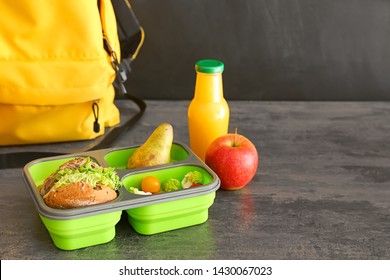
171,185
191,178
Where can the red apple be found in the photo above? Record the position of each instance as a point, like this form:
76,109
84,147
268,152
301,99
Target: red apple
234,158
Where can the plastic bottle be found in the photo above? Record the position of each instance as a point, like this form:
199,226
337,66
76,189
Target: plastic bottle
208,112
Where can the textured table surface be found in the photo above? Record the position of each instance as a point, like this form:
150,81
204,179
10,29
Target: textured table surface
322,190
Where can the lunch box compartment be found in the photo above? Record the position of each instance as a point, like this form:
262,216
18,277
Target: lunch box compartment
171,215
177,172
81,227
82,232
118,158
174,214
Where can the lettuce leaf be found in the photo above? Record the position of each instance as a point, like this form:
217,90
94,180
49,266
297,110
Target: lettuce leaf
86,173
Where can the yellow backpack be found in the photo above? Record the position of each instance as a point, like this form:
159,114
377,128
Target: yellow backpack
59,61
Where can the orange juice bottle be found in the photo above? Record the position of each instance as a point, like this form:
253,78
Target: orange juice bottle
208,112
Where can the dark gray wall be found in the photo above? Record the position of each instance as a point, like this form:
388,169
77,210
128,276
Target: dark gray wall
272,50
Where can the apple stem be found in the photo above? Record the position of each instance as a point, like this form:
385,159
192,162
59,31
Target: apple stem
235,137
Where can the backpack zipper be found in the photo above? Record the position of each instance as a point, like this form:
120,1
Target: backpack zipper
95,110
120,79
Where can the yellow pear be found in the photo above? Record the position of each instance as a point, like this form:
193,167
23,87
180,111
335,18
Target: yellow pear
156,150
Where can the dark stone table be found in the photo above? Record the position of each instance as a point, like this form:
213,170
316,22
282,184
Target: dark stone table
322,190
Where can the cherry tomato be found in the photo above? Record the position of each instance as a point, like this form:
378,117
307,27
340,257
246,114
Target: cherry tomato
150,184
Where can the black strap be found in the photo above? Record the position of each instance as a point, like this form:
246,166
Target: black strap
129,28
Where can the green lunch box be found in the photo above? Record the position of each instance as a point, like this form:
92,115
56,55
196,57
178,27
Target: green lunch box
81,227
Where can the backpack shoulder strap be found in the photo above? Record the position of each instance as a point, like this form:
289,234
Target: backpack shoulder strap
131,34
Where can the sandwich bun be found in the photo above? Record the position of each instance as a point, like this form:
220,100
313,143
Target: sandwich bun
78,193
